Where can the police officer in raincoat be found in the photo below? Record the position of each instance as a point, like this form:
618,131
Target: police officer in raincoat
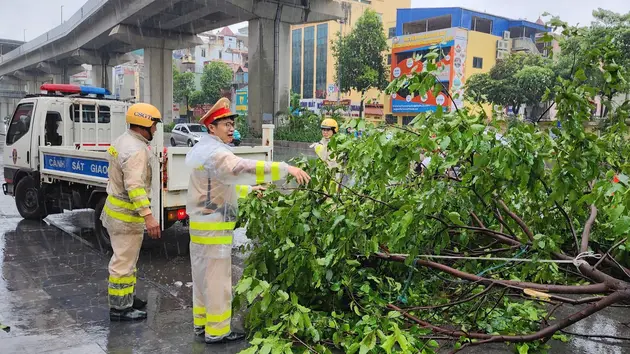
217,180
127,209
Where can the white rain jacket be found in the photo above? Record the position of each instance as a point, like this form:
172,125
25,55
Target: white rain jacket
218,179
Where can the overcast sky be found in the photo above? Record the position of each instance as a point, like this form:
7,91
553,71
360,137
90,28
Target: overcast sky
39,16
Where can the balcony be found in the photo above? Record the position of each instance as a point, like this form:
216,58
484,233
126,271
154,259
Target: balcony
524,44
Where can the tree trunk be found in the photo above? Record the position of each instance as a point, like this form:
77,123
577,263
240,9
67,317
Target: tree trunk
361,105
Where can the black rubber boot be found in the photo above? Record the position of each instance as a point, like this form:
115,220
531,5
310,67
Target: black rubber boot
232,337
129,314
139,304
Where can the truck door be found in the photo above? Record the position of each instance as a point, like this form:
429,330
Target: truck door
17,150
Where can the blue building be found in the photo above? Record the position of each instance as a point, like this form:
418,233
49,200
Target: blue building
522,33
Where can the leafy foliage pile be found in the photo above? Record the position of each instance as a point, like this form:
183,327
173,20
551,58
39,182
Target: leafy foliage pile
338,265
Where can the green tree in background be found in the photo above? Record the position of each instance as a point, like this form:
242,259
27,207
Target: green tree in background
520,79
183,87
359,58
216,79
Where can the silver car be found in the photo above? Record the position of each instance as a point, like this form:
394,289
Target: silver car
187,134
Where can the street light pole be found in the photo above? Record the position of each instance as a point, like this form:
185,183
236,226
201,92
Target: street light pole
61,14
25,35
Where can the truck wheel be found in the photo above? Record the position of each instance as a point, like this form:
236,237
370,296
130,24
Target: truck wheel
28,199
101,232
173,143
190,143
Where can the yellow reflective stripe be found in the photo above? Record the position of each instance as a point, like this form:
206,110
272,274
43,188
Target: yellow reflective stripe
142,203
200,168
138,192
318,149
211,240
120,203
197,310
120,292
275,171
241,191
199,321
211,226
122,280
122,217
112,151
221,331
219,318
260,172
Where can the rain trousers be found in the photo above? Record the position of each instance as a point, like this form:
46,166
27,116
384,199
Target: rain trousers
128,189
218,179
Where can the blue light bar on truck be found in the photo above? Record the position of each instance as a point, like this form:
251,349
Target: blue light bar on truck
69,89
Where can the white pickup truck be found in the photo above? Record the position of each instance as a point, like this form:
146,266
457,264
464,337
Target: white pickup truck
55,156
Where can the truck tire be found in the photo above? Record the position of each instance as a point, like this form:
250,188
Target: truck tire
190,143
173,143
101,232
29,200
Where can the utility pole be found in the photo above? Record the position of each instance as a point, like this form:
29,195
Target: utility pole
339,64
61,14
25,35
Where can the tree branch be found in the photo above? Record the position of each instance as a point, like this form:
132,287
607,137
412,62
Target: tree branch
561,289
543,333
587,229
518,220
450,304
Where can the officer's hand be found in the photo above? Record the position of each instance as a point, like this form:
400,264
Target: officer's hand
153,227
300,176
258,188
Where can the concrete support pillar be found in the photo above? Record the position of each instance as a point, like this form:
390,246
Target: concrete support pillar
158,80
62,78
269,72
32,85
102,76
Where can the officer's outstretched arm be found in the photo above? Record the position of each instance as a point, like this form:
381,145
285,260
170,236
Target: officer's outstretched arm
233,170
133,169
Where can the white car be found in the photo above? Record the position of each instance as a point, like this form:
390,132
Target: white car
187,134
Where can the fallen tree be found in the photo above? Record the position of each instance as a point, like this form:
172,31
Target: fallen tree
481,245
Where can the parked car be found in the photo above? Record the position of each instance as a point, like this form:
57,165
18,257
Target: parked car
187,134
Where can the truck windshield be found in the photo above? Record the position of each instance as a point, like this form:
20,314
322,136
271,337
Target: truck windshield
20,123
197,128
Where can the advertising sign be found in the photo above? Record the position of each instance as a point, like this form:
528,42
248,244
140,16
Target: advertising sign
241,101
408,57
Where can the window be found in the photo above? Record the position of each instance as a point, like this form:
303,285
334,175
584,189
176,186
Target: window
427,25
203,53
322,61
296,61
481,24
51,127
196,128
89,113
389,59
20,123
477,63
391,32
309,62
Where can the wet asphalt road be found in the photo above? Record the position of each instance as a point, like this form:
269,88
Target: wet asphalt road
53,294
53,290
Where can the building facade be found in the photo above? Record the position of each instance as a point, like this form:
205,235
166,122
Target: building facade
469,42
312,62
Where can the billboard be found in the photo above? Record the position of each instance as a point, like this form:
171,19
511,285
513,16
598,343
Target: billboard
408,57
241,101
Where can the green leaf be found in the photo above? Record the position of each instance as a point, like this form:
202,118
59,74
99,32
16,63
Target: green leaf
477,127
353,262
388,344
445,143
454,217
282,296
393,314
243,285
523,348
